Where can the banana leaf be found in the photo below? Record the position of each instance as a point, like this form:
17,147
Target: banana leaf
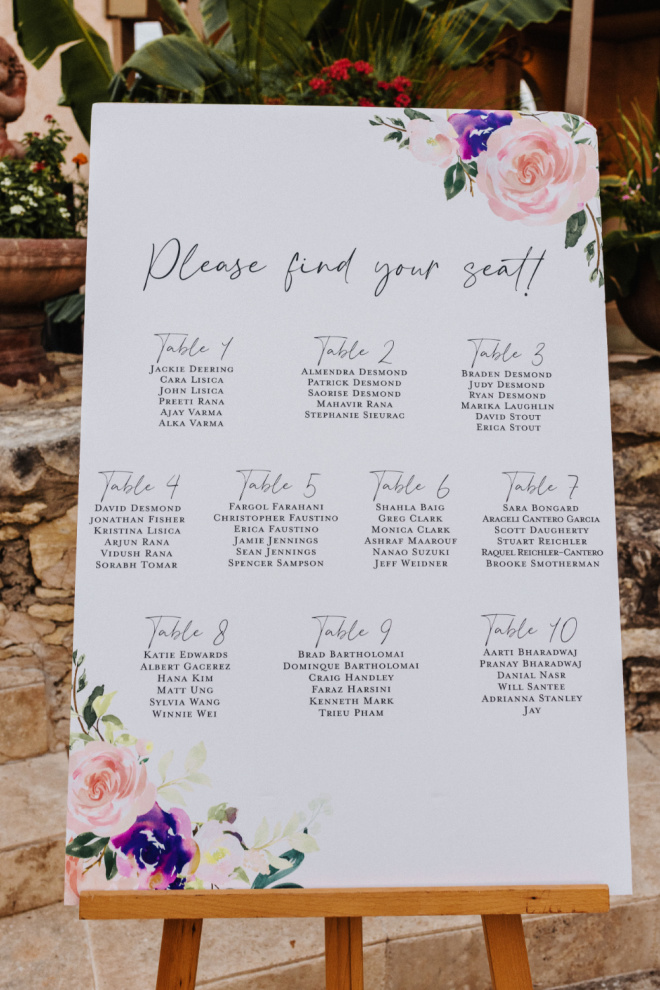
267,31
86,66
475,25
214,14
178,62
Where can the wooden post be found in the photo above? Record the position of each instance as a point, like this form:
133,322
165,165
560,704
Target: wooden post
579,57
507,952
179,952
343,954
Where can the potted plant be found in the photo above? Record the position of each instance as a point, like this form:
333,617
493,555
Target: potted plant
632,252
42,250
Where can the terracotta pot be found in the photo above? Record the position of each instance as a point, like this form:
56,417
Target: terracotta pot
33,271
641,309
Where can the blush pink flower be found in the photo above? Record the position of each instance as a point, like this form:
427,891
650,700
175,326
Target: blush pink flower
73,868
79,876
108,789
256,859
220,853
536,173
433,141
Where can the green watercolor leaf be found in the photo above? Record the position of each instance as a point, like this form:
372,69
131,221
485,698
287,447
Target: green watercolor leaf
415,114
86,845
261,834
575,227
221,813
240,874
590,251
89,714
195,758
102,703
164,764
75,736
125,739
304,842
82,683
277,861
454,180
266,879
110,863
113,720
171,794
199,778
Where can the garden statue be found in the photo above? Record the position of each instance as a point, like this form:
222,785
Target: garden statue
13,84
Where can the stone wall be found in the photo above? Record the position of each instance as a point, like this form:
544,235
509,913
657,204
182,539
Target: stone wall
38,494
635,399
39,455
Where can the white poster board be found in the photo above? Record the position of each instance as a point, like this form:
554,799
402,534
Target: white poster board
347,585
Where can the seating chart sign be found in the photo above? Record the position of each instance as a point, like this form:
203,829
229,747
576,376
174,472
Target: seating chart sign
347,609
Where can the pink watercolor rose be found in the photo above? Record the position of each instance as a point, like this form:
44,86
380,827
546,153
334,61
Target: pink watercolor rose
433,141
220,853
536,173
108,789
79,876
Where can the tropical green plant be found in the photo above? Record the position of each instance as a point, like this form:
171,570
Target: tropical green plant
259,50
86,67
634,197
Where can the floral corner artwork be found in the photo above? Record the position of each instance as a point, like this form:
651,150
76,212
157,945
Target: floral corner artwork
530,167
126,832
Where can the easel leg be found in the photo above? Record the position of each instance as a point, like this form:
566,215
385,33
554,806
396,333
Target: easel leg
507,952
179,952
343,954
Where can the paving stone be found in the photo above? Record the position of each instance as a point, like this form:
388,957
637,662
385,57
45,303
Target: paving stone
649,980
47,950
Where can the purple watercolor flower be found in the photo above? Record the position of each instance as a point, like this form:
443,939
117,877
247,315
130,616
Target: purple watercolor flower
159,846
474,127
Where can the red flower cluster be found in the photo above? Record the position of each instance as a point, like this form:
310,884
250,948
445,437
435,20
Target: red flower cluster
37,166
322,86
338,70
402,86
349,83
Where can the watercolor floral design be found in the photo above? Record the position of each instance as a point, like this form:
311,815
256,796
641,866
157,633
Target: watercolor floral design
531,168
126,832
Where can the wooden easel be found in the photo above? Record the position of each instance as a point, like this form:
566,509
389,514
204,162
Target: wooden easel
500,908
